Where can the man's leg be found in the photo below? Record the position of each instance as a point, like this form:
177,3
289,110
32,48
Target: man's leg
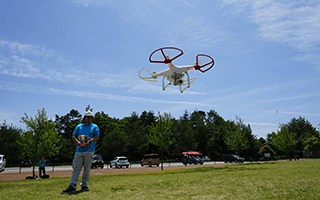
77,165
88,157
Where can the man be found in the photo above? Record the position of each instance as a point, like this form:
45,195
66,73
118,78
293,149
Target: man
85,136
42,166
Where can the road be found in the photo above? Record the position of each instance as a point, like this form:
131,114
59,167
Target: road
11,170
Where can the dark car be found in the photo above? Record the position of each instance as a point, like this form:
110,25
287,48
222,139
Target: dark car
191,158
232,158
26,163
97,162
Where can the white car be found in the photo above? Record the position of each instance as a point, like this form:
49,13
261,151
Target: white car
119,161
2,163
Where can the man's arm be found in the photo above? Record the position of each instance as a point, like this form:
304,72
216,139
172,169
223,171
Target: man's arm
93,139
75,139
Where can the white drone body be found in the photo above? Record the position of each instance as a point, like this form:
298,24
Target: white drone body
175,74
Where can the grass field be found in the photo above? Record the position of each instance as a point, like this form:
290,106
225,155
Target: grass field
271,180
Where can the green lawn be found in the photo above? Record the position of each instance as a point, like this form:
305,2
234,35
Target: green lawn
272,180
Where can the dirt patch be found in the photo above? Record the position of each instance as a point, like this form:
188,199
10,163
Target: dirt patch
22,176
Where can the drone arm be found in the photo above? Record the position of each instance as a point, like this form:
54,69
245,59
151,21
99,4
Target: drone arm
163,73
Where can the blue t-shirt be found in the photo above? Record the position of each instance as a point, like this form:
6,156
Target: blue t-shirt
42,163
91,131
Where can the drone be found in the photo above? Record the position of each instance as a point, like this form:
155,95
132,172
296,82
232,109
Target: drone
175,74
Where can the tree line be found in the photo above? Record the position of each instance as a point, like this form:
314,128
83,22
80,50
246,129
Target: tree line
136,135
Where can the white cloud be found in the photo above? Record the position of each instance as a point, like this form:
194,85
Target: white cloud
262,124
182,23
87,3
184,2
294,23
8,117
29,61
296,113
4,85
32,62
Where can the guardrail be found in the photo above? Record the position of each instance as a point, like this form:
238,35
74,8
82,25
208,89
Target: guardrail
68,166
27,168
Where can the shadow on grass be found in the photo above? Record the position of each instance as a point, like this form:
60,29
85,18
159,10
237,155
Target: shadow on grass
75,193
115,189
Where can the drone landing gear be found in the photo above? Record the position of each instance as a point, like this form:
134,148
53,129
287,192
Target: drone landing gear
180,85
191,81
183,89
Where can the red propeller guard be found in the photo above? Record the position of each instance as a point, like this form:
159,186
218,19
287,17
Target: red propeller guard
166,60
198,67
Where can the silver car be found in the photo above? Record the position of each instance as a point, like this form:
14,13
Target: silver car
2,163
119,162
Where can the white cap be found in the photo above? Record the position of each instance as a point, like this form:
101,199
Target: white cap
88,114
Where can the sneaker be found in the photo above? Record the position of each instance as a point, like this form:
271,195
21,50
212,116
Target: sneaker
69,190
83,189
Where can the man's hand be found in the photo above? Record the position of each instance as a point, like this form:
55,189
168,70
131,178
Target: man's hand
89,142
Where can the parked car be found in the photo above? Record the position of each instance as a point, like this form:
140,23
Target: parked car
150,159
191,158
206,158
232,158
97,162
2,163
26,163
119,161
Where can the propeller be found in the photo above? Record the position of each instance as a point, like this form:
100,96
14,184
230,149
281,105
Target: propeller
165,58
209,64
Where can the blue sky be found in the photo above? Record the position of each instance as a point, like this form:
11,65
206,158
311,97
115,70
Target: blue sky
66,54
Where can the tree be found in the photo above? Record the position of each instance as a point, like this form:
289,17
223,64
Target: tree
41,138
184,134
105,124
302,129
8,143
285,141
161,134
313,144
262,141
266,149
65,126
216,143
237,139
198,121
115,143
136,134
